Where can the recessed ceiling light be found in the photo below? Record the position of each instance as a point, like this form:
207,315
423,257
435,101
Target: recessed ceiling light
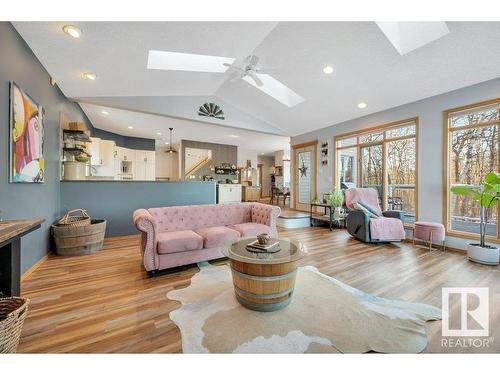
73,31
233,136
105,112
130,127
89,75
188,62
362,105
167,143
328,69
158,133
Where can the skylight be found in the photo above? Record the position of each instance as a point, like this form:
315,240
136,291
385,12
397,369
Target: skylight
276,89
187,62
408,36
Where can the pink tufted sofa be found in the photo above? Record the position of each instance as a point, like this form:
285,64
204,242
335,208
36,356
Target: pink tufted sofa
179,235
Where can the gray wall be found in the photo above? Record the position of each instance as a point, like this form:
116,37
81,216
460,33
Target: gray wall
115,201
220,154
18,64
430,113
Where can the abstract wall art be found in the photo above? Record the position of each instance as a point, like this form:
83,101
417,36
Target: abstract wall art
27,162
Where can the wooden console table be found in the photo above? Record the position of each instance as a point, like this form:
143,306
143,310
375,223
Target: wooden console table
340,222
11,232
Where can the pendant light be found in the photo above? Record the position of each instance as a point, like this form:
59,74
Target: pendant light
170,149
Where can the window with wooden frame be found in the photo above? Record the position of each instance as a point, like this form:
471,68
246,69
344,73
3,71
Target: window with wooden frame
384,158
471,144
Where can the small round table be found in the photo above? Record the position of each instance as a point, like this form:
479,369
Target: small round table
265,281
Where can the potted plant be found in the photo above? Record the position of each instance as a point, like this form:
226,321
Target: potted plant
336,199
487,195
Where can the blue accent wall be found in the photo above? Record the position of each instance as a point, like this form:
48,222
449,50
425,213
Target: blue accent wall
116,201
24,200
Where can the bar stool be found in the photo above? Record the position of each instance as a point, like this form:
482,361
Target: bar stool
429,232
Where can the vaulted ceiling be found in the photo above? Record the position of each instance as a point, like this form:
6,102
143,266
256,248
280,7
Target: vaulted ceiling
366,68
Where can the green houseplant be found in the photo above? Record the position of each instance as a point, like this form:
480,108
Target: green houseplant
336,199
487,195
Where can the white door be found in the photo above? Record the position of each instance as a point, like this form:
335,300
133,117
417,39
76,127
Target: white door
305,177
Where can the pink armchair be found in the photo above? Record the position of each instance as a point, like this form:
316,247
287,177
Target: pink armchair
180,235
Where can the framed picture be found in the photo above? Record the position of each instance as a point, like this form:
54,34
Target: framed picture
27,162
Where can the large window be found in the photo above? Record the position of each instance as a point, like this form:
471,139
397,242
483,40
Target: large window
383,158
472,143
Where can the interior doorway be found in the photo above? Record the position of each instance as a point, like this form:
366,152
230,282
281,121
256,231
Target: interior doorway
304,173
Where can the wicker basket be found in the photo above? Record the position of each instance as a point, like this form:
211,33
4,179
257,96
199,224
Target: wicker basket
13,310
71,220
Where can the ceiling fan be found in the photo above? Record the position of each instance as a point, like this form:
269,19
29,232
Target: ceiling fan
248,72
170,149
249,69
263,81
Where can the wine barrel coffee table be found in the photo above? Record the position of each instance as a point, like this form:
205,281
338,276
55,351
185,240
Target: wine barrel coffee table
265,281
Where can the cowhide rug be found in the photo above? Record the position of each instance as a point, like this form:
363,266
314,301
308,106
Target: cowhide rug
325,315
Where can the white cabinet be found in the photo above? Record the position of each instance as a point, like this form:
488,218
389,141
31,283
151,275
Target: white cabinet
94,149
121,163
107,158
229,193
103,157
144,165
126,154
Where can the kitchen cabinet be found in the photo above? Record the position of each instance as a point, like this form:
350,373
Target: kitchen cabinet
103,157
125,154
144,165
228,193
94,149
108,158
251,193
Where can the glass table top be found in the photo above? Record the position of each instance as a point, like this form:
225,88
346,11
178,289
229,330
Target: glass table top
290,251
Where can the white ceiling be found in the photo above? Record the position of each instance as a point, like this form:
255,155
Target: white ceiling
367,68
147,126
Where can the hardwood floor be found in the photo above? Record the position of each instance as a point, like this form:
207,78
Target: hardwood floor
105,302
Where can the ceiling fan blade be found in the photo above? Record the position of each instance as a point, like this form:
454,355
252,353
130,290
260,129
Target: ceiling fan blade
255,77
232,66
276,90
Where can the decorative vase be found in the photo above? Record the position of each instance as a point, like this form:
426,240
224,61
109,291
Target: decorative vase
489,255
263,238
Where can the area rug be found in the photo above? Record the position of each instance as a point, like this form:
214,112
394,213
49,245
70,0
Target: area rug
325,316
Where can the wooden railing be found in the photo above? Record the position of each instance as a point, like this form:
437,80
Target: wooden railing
198,165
